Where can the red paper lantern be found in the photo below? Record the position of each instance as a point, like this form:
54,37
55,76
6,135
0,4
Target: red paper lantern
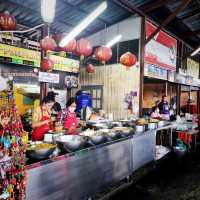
48,43
128,59
103,54
57,37
83,48
70,47
47,64
90,69
7,21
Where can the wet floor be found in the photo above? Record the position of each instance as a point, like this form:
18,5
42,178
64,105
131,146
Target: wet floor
173,179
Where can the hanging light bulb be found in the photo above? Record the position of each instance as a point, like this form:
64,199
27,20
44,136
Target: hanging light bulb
48,8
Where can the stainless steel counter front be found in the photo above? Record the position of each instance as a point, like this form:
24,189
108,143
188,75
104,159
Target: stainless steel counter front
81,174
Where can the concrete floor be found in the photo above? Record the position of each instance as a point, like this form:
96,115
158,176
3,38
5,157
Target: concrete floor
173,179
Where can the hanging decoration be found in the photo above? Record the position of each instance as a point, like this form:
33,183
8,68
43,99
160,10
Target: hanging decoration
90,69
47,64
70,47
103,54
12,150
83,48
7,21
128,59
48,44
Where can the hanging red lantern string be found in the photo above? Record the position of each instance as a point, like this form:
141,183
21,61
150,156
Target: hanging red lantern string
83,48
47,64
48,44
7,21
70,47
103,54
128,59
90,69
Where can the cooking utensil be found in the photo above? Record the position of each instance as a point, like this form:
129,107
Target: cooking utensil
40,154
152,126
70,142
139,128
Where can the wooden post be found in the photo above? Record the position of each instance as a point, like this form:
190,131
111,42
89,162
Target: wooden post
178,98
43,86
142,46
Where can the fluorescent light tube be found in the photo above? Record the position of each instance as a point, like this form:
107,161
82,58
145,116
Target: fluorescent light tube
114,41
195,52
83,24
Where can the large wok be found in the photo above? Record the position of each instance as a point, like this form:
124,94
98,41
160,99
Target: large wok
70,142
40,154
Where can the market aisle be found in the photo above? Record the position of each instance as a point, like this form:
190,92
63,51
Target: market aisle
171,181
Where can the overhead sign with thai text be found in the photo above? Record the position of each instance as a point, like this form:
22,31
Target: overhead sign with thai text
161,50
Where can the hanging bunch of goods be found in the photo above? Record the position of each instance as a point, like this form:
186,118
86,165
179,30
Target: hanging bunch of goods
83,48
48,44
47,64
70,47
7,21
90,69
12,150
128,59
103,54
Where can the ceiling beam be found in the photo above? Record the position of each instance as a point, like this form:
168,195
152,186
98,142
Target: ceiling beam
129,7
192,14
149,7
190,34
169,19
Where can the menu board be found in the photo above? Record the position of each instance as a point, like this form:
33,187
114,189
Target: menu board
155,72
21,56
16,55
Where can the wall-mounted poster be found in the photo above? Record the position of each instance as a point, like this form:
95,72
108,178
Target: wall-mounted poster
161,50
71,81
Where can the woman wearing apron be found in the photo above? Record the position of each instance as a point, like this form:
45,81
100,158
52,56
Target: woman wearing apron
41,120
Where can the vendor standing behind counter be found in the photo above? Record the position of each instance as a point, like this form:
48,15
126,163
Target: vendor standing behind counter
164,108
70,118
41,120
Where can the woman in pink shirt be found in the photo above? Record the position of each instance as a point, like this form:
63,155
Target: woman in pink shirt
156,113
70,118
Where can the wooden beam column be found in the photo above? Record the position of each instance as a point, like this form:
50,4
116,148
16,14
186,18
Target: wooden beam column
169,19
43,86
141,59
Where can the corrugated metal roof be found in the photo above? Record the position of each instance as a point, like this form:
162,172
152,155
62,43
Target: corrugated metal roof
70,12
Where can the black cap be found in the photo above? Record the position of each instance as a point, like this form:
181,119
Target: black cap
52,94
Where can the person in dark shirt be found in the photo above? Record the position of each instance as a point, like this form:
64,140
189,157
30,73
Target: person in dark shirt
164,107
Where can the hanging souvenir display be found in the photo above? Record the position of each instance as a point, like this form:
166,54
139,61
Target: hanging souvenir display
48,44
12,150
103,54
83,48
7,21
90,69
128,59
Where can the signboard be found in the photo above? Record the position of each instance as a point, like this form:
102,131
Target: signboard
18,55
161,50
65,64
21,56
192,68
48,77
171,76
155,72
71,81
180,79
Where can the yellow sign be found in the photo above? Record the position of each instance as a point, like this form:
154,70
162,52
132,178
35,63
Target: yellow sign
193,68
21,56
65,64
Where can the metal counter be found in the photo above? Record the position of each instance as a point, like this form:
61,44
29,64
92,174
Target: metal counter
81,174
143,148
